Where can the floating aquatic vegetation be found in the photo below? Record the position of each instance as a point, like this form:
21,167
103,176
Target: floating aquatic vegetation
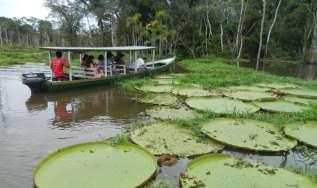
164,138
221,171
281,107
166,113
304,132
165,82
247,88
96,165
301,93
193,92
160,99
164,76
156,88
221,105
248,134
277,86
251,95
300,100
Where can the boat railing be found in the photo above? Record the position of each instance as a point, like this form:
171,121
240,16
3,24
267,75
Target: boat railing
90,73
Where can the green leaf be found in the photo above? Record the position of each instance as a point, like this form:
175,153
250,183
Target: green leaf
281,107
221,105
221,171
251,95
95,165
164,138
304,132
248,134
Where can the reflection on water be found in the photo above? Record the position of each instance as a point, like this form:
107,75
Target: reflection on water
33,125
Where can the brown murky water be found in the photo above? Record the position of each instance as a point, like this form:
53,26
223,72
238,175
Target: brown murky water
33,125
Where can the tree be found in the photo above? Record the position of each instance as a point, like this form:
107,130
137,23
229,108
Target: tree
261,34
70,14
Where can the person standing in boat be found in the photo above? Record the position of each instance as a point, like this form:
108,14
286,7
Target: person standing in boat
57,65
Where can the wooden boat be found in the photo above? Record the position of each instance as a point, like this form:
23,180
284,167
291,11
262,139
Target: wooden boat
83,78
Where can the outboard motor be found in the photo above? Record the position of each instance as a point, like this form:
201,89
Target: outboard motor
34,81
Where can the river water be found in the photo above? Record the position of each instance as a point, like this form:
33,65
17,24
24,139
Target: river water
33,125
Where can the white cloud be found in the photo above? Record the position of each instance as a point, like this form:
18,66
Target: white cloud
23,8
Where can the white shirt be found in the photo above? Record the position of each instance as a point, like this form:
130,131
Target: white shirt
139,63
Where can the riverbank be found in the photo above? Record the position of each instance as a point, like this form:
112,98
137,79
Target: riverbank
11,55
215,73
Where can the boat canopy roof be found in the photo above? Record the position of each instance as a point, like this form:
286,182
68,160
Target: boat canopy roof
103,49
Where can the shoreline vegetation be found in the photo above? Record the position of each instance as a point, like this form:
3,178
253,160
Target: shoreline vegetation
13,55
213,74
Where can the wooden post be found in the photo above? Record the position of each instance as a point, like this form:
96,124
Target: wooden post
70,67
80,58
49,64
153,58
106,65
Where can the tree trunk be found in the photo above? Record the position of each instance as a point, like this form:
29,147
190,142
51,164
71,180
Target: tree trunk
1,39
221,37
239,27
271,27
261,36
314,41
114,27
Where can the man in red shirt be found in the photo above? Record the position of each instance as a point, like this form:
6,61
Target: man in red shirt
57,66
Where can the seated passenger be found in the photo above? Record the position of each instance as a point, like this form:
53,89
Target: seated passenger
57,66
110,59
139,64
84,60
101,64
119,59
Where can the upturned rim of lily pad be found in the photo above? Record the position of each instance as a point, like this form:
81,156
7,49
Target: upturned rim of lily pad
301,93
252,108
289,131
263,106
252,148
159,109
138,137
243,95
51,155
199,169
159,95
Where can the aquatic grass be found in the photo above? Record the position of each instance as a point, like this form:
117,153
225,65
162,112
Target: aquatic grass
160,184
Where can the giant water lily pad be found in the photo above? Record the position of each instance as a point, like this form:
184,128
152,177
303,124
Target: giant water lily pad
281,107
156,88
300,100
221,105
278,85
221,171
250,95
301,93
171,113
164,138
159,99
95,165
248,88
193,92
165,81
305,132
249,135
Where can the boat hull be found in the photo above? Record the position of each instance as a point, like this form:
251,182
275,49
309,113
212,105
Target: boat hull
49,86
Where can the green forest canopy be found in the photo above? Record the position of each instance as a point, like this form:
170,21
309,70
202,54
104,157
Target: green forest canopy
229,28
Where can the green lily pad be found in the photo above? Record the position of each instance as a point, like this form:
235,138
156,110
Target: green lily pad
164,138
96,165
300,100
304,132
156,88
301,93
281,107
248,134
165,81
171,113
159,99
193,92
164,76
277,85
251,95
221,171
248,88
221,105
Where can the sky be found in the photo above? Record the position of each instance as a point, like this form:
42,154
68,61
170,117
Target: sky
23,8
